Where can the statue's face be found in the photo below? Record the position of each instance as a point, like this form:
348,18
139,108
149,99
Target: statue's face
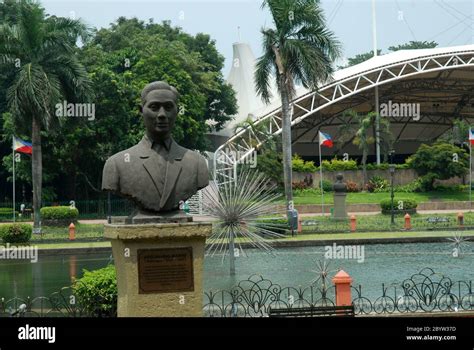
159,113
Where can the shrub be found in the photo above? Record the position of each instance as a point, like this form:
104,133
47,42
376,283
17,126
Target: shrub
280,226
378,184
352,186
96,291
450,188
414,186
301,166
375,166
409,205
15,233
339,165
439,161
61,215
301,185
7,212
327,186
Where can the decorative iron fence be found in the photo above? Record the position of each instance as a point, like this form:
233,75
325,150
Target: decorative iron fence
92,209
59,304
254,296
425,291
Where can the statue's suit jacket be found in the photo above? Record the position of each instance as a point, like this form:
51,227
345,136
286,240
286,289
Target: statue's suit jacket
136,173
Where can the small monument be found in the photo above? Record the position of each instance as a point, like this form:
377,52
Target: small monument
158,250
340,190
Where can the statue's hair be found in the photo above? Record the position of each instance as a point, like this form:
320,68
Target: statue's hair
158,85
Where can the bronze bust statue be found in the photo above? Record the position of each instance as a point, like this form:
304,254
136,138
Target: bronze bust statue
157,173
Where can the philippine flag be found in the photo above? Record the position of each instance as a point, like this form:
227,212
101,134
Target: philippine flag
471,136
22,146
325,139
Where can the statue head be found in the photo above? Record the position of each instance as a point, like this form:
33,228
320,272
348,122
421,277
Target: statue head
159,109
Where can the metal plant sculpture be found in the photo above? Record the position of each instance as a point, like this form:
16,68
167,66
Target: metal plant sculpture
238,208
459,243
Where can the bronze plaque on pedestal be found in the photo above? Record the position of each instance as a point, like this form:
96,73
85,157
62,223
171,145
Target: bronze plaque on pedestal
165,270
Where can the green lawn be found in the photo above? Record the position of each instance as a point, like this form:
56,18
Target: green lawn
84,232
366,197
380,222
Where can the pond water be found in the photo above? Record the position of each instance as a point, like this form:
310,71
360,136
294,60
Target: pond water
389,263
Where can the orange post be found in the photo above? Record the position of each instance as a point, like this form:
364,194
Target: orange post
353,223
461,219
407,221
343,281
300,228
72,232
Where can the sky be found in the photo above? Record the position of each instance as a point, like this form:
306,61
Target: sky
448,22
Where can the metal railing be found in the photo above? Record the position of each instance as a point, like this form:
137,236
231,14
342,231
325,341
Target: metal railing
425,291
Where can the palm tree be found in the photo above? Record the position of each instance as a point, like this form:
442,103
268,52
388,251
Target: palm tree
39,53
300,49
359,134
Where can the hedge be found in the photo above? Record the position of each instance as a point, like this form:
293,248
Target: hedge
61,215
15,233
409,205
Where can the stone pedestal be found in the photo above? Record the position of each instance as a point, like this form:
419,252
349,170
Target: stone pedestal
340,212
340,189
159,268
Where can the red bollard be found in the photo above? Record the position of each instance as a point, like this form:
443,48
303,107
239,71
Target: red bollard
72,232
407,221
300,227
343,281
461,220
353,223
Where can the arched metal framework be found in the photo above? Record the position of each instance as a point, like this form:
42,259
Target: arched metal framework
247,140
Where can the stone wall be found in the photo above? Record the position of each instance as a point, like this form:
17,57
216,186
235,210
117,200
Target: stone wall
401,177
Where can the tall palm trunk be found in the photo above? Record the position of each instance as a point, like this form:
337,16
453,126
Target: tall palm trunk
37,170
286,141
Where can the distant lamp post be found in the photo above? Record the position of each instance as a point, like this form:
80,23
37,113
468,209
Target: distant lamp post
392,173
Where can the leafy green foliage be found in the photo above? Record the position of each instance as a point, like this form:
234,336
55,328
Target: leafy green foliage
408,204
339,165
414,186
327,186
97,292
59,213
15,233
414,45
439,161
301,166
270,164
378,184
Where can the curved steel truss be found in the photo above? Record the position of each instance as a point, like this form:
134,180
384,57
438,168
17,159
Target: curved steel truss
239,147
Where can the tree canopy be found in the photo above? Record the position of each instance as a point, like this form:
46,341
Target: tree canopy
120,60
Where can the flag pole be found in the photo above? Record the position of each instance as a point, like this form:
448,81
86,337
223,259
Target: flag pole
470,174
13,153
321,175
